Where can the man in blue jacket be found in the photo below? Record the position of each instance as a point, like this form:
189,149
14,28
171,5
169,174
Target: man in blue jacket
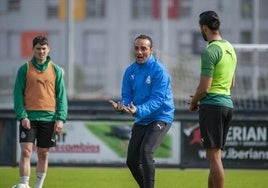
147,95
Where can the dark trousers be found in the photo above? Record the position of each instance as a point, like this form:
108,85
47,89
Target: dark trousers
143,143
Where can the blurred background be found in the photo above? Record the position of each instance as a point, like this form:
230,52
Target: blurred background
92,41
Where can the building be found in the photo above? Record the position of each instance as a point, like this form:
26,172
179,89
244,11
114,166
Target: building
102,34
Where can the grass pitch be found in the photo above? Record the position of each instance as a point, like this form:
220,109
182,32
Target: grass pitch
88,177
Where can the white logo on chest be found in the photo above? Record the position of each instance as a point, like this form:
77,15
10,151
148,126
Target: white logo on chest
148,80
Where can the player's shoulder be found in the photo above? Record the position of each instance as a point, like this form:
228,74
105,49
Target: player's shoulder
131,67
212,48
218,44
159,69
212,53
58,69
24,67
55,65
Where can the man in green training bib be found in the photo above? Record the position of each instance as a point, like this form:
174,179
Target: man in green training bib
213,95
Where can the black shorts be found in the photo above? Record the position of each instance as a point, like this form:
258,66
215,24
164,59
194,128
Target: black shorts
214,124
40,132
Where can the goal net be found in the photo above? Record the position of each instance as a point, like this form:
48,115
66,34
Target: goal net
251,88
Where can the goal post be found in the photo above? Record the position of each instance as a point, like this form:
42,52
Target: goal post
251,47
252,72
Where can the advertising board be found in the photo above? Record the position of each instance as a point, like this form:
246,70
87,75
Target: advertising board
246,145
104,143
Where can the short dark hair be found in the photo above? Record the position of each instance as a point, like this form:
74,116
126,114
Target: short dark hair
42,40
145,37
210,19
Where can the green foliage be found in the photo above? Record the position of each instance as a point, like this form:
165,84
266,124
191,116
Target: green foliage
68,177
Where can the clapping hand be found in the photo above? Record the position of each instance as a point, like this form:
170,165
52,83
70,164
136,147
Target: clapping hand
131,108
118,106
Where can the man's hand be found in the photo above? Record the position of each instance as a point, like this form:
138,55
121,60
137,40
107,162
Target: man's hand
131,109
193,106
58,126
118,106
26,124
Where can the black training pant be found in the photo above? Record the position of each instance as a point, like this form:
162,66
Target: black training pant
143,143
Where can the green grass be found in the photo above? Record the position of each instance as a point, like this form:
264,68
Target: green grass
68,177
103,131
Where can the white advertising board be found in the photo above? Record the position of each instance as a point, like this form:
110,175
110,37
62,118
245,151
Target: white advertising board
87,142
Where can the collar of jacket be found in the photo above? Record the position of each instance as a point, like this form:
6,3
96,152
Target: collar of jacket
149,61
38,66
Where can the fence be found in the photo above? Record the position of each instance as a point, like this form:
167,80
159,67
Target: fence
250,92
